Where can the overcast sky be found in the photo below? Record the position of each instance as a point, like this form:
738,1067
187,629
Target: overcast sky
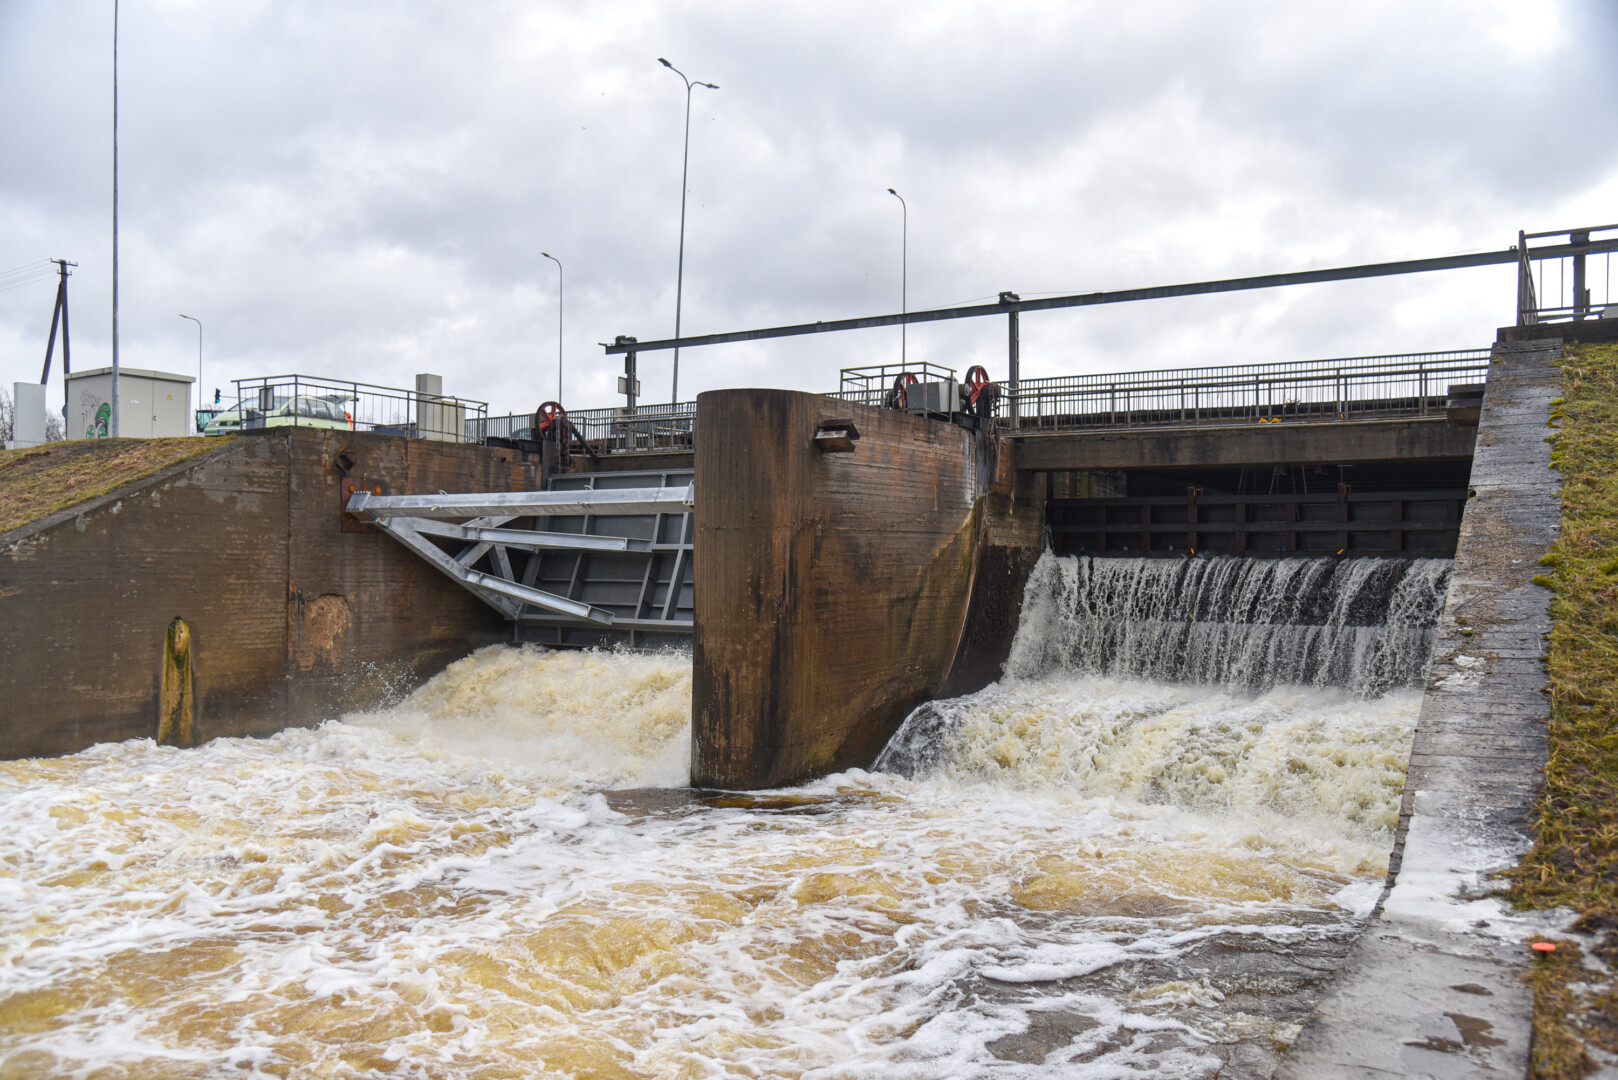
363,189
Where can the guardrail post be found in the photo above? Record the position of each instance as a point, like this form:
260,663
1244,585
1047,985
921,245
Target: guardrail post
1527,302
1581,294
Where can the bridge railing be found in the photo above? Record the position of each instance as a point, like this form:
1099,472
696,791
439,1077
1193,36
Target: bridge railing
1318,391
1565,288
613,431
1321,391
274,401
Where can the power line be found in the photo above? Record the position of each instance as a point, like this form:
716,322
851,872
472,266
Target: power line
6,286
26,274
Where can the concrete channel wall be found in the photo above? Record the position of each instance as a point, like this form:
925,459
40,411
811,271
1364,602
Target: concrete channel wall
837,591
1436,986
297,612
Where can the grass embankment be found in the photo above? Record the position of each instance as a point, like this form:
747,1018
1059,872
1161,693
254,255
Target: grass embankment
44,479
1574,861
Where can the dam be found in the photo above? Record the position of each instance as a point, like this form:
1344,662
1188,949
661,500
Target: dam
1090,750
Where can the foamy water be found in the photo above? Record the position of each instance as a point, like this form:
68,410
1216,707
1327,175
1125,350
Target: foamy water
1090,877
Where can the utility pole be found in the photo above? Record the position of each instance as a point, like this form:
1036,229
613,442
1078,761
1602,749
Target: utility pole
114,430
904,271
59,316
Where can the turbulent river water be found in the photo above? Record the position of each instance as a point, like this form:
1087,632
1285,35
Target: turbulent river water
1141,853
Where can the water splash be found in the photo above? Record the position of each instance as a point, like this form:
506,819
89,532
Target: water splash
1363,624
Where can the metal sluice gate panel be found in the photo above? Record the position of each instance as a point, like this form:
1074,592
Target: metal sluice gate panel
596,557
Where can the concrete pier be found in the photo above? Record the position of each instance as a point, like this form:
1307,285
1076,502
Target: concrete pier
834,589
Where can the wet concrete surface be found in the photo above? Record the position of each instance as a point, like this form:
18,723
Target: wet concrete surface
1435,987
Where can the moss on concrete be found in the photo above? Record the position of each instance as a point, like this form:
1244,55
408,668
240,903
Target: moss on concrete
41,480
1574,861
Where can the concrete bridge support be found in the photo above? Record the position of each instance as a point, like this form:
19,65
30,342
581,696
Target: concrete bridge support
836,589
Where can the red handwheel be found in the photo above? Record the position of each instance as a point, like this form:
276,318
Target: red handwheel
977,377
547,415
897,397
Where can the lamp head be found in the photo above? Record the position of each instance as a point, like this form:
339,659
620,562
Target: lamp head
664,62
709,85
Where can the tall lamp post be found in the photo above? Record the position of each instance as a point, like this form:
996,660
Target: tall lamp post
685,165
904,269
558,263
198,321
113,428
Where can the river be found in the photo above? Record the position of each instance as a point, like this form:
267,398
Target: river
1097,867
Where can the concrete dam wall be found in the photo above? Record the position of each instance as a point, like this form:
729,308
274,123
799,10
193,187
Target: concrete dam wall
296,612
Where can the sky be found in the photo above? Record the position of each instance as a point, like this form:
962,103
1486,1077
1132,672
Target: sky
363,189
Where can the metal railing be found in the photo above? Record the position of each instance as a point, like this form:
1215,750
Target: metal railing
614,431
869,385
1318,391
1565,288
1302,391
308,401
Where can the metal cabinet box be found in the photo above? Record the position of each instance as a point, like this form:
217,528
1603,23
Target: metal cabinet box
152,404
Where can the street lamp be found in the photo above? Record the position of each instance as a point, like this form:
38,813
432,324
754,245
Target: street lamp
904,269
558,263
685,165
198,321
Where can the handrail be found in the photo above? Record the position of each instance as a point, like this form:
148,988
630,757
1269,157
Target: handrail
1318,391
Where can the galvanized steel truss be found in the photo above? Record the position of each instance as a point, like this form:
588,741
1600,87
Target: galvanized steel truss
600,550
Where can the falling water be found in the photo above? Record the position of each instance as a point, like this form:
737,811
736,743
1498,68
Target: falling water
1363,624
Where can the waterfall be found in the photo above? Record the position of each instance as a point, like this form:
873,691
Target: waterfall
1231,683
1244,624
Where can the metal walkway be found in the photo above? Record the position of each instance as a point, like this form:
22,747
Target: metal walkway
599,552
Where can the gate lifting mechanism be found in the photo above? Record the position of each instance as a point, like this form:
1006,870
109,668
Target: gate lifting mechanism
580,554
970,404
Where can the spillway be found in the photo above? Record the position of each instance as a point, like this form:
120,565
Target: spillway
1141,852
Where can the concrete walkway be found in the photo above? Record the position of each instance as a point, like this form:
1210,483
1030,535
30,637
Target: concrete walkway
1435,988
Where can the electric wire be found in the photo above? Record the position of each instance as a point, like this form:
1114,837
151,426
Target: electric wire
27,273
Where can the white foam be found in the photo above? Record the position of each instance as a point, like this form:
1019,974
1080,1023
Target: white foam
440,889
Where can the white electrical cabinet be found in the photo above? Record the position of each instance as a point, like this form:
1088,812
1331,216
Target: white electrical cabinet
151,404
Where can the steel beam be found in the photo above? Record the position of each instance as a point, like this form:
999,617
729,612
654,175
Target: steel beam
497,592
529,539
1355,442
1159,292
618,501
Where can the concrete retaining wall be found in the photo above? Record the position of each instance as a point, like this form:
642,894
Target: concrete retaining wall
297,613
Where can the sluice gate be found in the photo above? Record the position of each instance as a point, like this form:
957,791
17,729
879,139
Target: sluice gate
595,551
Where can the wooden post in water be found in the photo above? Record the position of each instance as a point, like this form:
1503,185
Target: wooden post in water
176,719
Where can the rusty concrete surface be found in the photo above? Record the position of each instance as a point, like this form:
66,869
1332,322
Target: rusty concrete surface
832,589
296,615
